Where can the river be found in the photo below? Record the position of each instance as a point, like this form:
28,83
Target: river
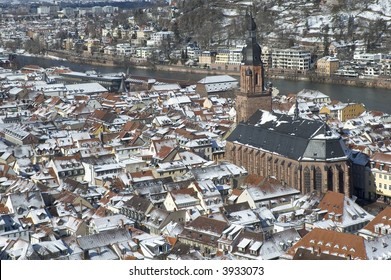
373,98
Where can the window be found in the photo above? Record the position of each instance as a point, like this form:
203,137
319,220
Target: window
318,179
307,180
380,176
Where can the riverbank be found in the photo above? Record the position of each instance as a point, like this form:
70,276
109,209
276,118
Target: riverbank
312,77
336,80
374,98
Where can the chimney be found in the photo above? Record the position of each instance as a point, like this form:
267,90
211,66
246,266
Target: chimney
86,255
122,225
80,214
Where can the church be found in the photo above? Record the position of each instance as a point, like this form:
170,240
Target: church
301,153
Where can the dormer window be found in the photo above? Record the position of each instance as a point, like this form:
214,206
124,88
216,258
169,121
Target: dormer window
20,210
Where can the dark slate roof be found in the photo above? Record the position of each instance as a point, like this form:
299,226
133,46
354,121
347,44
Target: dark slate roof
236,207
294,139
105,238
252,51
151,186
138,204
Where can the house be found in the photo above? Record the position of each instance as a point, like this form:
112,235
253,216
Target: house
215,85
102,224
246,217
269,192
11,227
223,173
101,245
342,245
182,251
379,226
170,169
380,177
67,167
343,111
98,168
21,203
136,209
69,226
208,194
50,250
203,234
314,96
153,247
163,149
198,143
102,116
69,203
152,189
229,238
19,135
18,249
294,59
157,219
182,199
191,160
338,212
162,121
326,66
247,245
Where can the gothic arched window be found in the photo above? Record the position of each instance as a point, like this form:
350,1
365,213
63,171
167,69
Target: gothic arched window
318,179
307,180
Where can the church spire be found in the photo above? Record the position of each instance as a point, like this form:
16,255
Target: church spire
252,95
252,51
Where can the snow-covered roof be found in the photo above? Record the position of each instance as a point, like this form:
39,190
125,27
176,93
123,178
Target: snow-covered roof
85,88
217,79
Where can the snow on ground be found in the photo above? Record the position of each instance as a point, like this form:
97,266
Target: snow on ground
318,21
230,12
55,57
383,6
373,15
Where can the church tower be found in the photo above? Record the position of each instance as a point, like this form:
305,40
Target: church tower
253,94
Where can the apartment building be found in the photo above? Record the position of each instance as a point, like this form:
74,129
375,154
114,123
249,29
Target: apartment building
326,66
207,58
381,174
343,111
294,59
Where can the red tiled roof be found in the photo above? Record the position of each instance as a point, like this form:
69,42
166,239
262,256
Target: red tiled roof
164,151
171,240
202,223
140,174
254,180
384,217
382,158
188,191
236,192
332,202
331,242
107,196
